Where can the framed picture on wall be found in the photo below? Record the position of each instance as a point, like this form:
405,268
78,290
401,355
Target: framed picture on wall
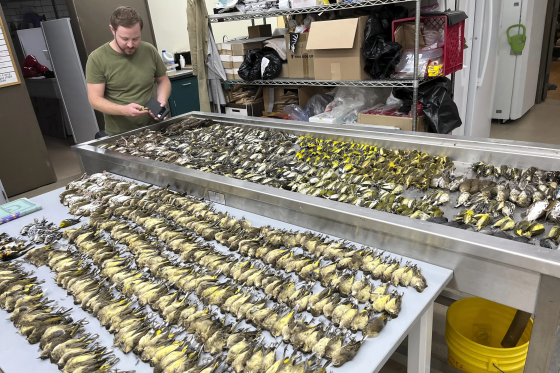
8,72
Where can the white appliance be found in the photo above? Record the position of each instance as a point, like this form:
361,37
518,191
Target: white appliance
475,84
33,43
517,77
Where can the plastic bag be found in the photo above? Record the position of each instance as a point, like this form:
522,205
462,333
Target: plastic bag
271,64
318,103
382,19
429,8
405,68
295,112
250,69
348,102
391,100
440,111
381,53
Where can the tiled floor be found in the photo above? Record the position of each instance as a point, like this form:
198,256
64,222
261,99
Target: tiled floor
540,124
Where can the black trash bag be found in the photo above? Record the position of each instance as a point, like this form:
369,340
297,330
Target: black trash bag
317,104
440,111
250,69
274,66
382,54
380,21
385,55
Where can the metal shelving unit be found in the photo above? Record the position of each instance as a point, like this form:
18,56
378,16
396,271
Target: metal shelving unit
238,16
414,83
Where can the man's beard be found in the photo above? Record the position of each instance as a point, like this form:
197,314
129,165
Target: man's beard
127,51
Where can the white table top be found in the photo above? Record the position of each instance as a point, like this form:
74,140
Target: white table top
16,355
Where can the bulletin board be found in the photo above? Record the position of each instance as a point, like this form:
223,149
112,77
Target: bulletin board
8,71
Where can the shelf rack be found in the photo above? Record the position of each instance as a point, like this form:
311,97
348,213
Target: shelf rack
414,83
238,16
313,82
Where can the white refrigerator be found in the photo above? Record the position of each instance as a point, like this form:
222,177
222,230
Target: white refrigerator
475,84
517,76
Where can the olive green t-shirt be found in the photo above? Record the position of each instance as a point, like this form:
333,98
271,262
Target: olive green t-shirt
128,79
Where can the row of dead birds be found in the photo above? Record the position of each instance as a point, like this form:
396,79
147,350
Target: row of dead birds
152,245
245,350
273,284
178,212
12,247
60,339
275,257
525,188
358,174
265,277
135,329
363,175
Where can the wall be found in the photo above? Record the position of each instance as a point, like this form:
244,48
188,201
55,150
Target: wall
170,24
14,10
27,165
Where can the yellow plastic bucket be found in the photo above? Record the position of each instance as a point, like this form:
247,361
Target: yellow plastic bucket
474,330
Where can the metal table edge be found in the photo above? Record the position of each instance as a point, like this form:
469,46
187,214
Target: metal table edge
527,257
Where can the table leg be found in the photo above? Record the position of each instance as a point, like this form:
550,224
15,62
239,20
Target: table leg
545,326
420,343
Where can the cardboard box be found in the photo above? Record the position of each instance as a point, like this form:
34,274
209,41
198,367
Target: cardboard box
237,61
259,31
227,65
240,47
271,94
404,35
285,73
229,74
250,110
300,61
225,58
404,123
236,76
337,49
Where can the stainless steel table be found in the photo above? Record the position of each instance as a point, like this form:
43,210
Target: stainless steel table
414,321
522,276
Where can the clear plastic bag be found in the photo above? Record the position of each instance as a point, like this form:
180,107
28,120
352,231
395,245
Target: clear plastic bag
295,112
392,100
405,68
348,102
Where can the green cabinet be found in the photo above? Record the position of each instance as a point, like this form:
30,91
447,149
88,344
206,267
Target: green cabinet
184,96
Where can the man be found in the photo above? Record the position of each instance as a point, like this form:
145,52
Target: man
120,75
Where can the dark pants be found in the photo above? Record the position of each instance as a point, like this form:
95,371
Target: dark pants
101,134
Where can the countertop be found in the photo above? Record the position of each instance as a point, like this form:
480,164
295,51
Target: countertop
181,74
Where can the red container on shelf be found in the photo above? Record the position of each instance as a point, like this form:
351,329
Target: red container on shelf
454,41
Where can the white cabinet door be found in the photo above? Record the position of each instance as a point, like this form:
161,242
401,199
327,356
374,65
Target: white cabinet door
482,76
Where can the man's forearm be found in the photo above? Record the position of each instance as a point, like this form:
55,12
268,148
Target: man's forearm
163,91
105,106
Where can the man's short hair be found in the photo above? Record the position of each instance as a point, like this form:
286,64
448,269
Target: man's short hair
125,16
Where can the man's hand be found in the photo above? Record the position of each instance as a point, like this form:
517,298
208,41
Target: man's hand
133,110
